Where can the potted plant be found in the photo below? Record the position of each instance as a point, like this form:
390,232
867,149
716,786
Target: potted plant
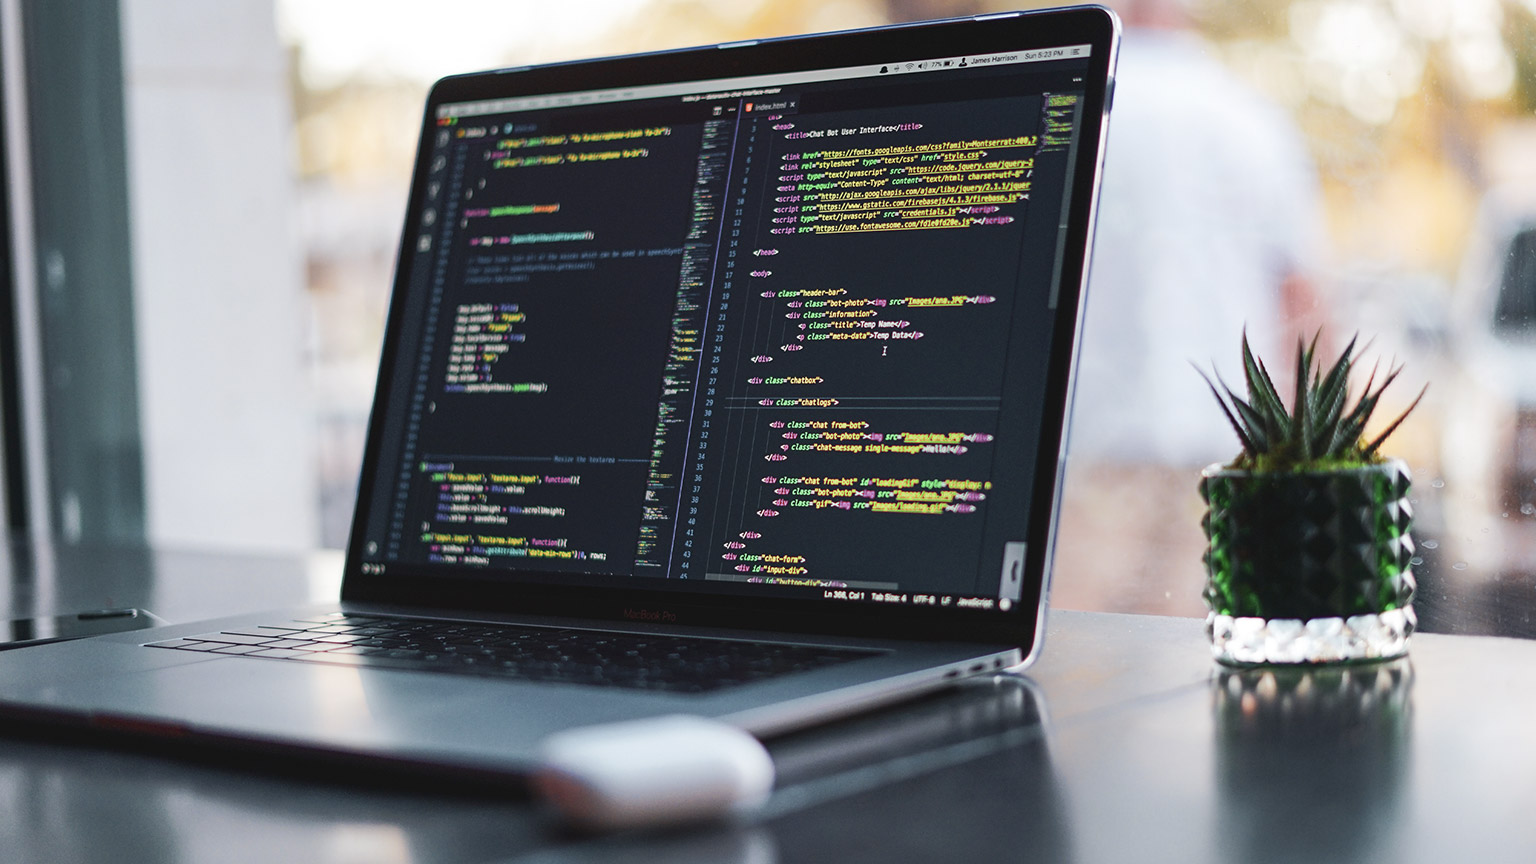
1307,530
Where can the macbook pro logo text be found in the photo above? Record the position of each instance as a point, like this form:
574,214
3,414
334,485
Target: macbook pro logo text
659,615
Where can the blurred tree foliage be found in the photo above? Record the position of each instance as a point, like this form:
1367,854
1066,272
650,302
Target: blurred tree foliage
1520,36
1396,98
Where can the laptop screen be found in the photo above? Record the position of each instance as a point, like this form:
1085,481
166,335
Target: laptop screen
793,334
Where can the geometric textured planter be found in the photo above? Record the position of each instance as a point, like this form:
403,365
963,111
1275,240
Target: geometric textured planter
1308,567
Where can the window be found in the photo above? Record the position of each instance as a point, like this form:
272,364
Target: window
200,317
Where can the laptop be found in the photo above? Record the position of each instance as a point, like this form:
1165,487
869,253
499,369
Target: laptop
729,381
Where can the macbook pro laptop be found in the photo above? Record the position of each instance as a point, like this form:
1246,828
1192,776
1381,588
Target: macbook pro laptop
729,381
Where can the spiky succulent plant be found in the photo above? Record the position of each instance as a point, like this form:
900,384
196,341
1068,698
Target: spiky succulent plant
1320,431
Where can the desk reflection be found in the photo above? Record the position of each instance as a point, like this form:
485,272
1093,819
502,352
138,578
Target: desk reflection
89,804
955,777
964,771
1312,760
709,844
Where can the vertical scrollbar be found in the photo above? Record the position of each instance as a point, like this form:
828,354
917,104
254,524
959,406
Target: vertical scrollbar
1010,583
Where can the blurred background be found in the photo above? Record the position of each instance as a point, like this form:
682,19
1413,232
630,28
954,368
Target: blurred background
204,201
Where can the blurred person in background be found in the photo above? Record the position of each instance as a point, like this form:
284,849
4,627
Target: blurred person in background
1209,221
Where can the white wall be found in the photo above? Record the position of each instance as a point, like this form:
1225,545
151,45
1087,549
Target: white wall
220,314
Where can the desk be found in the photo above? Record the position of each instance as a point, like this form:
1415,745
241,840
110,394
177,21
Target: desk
1124,744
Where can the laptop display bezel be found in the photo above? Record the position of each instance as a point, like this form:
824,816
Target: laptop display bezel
1093,26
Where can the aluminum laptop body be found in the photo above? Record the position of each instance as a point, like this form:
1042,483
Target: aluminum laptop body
768,341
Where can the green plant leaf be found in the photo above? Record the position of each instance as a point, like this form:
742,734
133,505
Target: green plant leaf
1261,391
1321,428
1253,422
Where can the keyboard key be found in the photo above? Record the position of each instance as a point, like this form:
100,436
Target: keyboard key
186,644
339,659
234,638
282,653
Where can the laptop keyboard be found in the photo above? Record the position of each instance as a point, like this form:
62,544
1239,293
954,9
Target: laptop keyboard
680,664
